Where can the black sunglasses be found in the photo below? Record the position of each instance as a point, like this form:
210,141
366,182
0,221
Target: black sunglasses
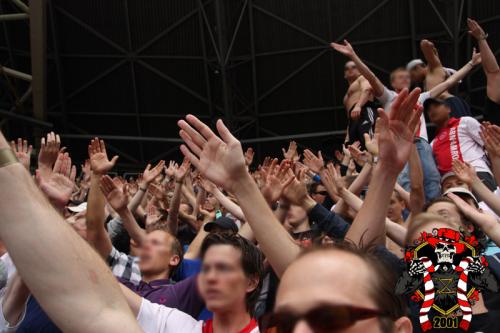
321,192
349,67
322,319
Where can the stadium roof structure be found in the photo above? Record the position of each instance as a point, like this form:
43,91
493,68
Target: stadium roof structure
127,70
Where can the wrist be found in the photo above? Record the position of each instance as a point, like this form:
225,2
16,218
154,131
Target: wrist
308,204
387,169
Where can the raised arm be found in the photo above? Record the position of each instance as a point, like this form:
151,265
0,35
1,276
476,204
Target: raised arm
395,141
117,197
347,50
221,160
173,214
147,177
490,64
97,303
97,235
490,134
457,76
230,206
431,55
417,195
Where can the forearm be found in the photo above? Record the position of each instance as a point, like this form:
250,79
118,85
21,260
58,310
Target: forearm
188,195
326,221
495,168
193,251
396,232
364,97
96,233
133,229
173,214
377,86
451,81
417,196
405,195
489,61
369,225
231,207
362,179
136,200
484,193
201,196
33,247
278,246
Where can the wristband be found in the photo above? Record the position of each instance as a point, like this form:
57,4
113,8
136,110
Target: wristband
143,189
483,37
7,157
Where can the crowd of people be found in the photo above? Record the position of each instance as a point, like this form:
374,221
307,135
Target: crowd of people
396,234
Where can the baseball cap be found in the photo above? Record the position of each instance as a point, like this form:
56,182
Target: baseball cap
432,101
463,193
223,222
446,176
414,63
78,208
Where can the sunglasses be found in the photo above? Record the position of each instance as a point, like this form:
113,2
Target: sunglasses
321,192
349,67
322,319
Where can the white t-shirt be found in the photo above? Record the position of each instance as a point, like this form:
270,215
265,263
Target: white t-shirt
155,318
388,97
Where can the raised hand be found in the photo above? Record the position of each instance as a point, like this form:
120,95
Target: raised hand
476,57
491,138
346,48
332,180
313,162
150,174
372,143
296,191
464,171
396,130
22,151
207,185
99,161
153,215
276,179
59,184
220,160
475,29
249,154
86,171
359,156
182,171
291,154
115,192
49,150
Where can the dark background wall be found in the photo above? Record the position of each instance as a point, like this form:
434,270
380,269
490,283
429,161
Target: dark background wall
128,69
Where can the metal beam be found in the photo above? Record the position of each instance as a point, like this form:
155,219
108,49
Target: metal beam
206,68
14,17
411,8
209,29
235,33
125,114
220,17
441,19
21,5
16,74
123,138
301,111
38,43
26,119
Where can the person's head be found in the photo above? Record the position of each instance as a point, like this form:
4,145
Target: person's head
396,207
450,180
400,79
417,69
438,111
211,203
446,209
78,222
427,222
231,274
318,192
222,224
351,72
296,217
160,254
312,292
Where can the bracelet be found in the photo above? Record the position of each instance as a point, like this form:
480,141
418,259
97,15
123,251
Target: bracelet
7,157
143,189
470,63
483,37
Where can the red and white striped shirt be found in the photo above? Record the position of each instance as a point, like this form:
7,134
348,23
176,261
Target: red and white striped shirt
460,140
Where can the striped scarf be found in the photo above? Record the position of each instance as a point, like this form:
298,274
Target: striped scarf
425,324
462,293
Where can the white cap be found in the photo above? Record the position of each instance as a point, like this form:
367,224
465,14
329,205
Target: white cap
461,190
414,63
78,209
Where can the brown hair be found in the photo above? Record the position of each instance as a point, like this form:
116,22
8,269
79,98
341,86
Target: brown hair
176,245
395,71
252,261
385,276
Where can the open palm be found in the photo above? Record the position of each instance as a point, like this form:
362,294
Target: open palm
220,160
346,48
99,161
115,193
60,183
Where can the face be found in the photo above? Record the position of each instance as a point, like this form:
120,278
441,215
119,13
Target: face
156,254
296,216
429,227
396,207
222,282
314,279
211,203
400,80
351,72
446,210
438,114
418,73
453,181
79,223
320,194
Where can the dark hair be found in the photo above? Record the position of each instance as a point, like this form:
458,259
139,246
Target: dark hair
176,245
252,261
385,276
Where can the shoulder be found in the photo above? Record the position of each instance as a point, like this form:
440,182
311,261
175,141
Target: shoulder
158,318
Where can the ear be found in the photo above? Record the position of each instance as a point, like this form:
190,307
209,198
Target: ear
403,325
174,260
252,283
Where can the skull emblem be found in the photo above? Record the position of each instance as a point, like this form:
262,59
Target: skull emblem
445,252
